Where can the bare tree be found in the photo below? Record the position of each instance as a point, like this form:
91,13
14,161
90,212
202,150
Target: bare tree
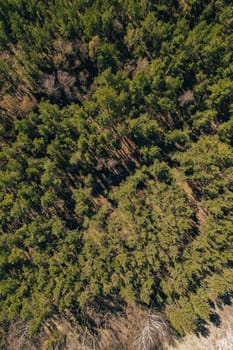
65,79
49,85
154,334
186,97
67,82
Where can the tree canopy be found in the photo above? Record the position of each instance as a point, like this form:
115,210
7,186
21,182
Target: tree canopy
115,157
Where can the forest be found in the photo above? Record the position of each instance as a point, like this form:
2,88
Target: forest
116,162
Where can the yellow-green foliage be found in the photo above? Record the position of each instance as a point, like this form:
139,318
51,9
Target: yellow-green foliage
115,157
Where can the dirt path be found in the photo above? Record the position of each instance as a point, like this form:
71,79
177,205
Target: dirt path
201,212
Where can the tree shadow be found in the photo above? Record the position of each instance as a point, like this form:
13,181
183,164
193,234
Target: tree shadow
201,328
215,319
224,299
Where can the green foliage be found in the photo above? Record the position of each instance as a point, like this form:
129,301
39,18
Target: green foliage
115,157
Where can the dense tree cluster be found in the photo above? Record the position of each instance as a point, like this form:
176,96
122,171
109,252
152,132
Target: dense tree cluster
116,157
